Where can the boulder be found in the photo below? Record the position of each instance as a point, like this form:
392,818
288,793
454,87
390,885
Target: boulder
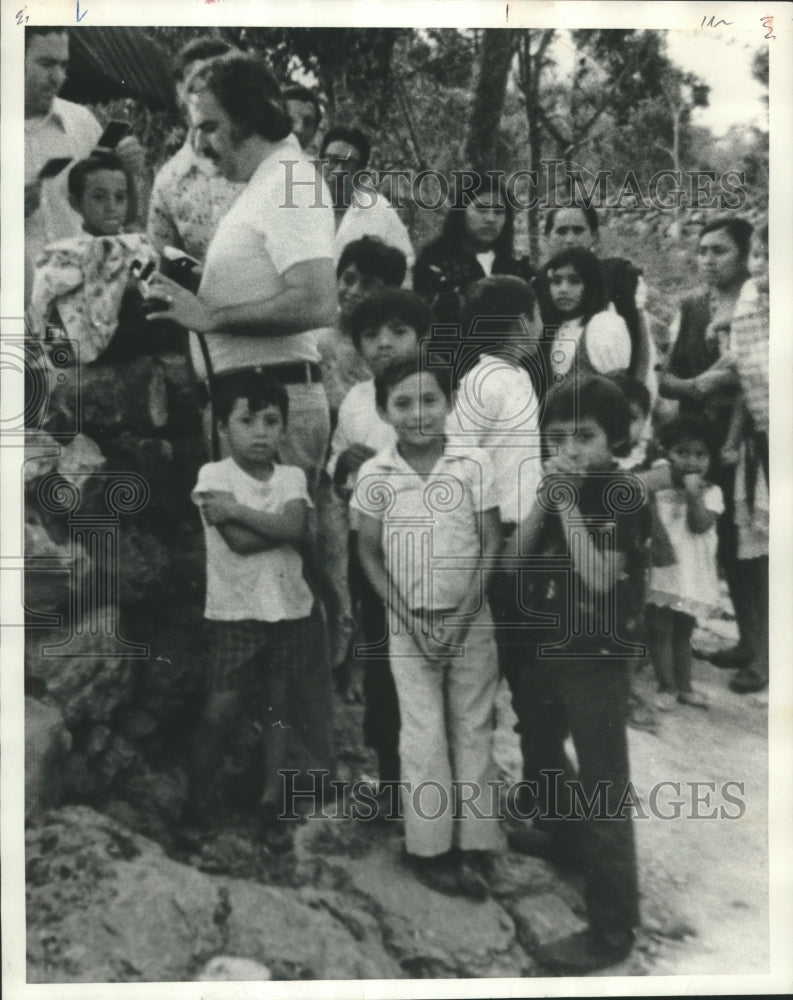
106,905
229,969
47,741
91,683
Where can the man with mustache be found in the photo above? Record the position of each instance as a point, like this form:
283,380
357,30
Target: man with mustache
189,196
268,282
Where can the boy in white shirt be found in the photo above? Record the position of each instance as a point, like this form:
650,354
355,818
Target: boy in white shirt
258,605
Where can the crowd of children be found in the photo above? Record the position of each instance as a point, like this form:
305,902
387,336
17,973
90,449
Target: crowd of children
497,503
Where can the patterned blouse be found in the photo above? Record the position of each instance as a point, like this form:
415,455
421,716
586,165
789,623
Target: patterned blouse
85,278
188,200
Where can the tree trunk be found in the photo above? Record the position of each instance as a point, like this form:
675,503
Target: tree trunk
497,50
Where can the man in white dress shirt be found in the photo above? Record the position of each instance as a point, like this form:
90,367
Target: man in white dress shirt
345,152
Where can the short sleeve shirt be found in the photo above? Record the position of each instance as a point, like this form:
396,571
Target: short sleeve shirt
430,526
264,586
282,218
188,200
496,409
374,215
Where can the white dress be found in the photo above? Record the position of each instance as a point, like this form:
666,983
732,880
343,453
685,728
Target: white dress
691,584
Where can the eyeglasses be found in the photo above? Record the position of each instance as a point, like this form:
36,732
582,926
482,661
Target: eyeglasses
341,161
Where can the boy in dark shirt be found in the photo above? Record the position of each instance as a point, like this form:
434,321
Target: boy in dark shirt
586,538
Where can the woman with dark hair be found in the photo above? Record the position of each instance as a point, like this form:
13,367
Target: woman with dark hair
475,242
700,375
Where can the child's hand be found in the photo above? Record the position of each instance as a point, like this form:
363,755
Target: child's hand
350,460
693,484
218,506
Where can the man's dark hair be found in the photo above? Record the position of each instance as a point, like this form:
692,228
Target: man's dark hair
388,306
374,259
739,230
47,29
208,47
493,300
589,212
686,427
258,389
93,164
593,397
353,136
485,186
249,94
588,268
294,92
400,370
633,390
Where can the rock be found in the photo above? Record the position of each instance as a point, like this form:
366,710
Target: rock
543,918
159,795
47,740
78,458
228,968
106,905
521,875
41,455
91,683
143,565
47,588
300,941
467,938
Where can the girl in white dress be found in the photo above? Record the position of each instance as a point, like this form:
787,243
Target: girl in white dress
687,506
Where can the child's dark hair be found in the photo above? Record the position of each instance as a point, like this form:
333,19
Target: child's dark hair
686,427
493,300
92,164
400,370
633,390
388,306
587,267
256,388
593,397
374,259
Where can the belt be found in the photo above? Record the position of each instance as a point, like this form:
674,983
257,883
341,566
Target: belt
288,374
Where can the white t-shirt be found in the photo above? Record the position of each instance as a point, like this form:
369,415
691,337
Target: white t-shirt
496,410
265,586
487,260
380,220
282,217
359,423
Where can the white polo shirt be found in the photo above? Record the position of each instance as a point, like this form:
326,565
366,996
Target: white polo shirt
425,519
265,232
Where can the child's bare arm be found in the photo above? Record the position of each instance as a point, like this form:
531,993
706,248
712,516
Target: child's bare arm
598,570
489,524
372,557
698,517
246,530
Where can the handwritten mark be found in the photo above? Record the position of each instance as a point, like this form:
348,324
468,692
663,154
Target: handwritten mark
507,13
79,15
23,18
711,22
768,24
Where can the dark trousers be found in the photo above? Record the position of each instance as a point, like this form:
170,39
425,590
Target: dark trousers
381,705
589,700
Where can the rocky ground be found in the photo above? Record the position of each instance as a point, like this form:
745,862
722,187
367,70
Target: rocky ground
109,904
